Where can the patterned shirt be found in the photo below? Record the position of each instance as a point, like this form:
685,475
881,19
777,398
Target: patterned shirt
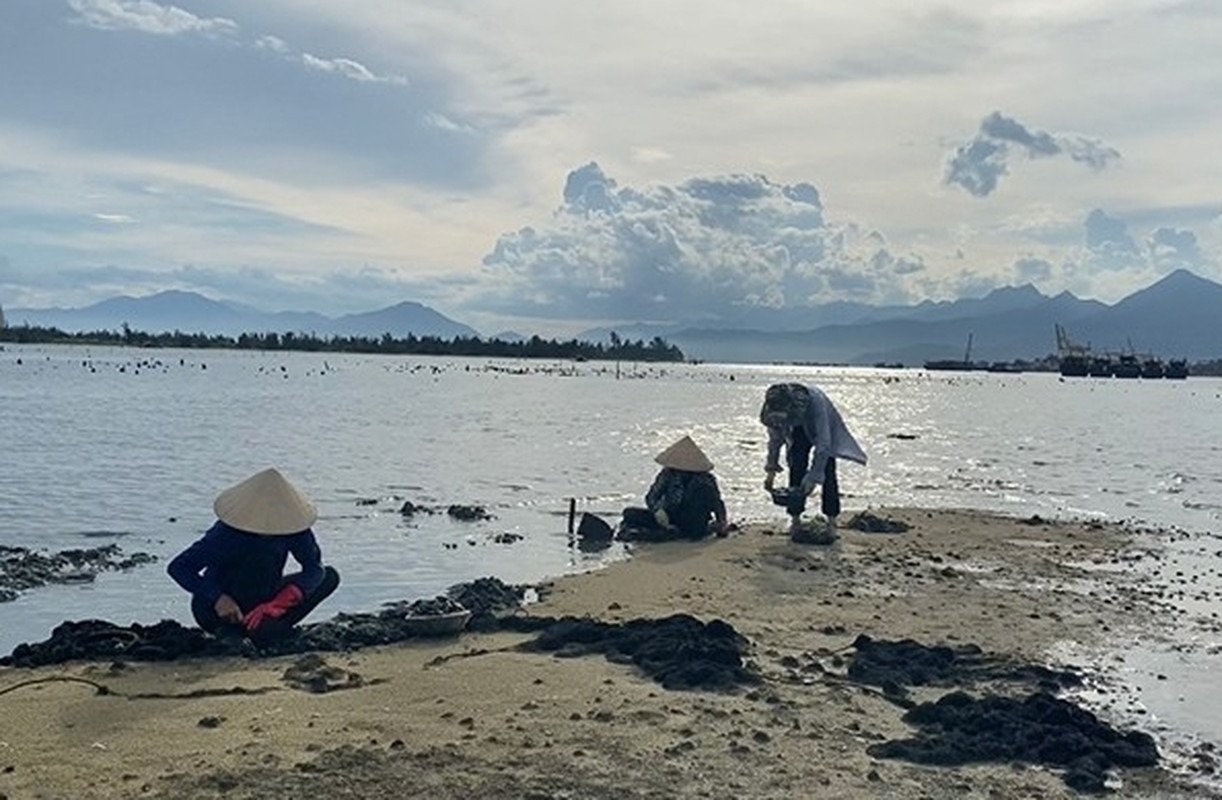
690,499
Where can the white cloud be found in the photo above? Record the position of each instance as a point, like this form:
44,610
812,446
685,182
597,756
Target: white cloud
707,248
348,68
114,219
273,43
146,16
444,123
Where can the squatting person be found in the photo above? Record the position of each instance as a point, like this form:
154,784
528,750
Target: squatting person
235,572
684,500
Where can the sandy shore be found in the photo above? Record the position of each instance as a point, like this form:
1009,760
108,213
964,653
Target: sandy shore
473,717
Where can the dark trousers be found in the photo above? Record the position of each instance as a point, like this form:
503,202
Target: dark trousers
799,464
640,524
206,617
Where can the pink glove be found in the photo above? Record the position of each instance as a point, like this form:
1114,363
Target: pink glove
275,608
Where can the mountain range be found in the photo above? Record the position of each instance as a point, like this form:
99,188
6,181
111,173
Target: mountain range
193,313
1179,316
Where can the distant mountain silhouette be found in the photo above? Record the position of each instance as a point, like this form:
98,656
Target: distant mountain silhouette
400,320
1180,316
193,313
998,301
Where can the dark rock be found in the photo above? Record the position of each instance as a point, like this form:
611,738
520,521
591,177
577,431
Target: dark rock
434,607
867,522
469,513
813,532
893,665
311,673
1037,729
410,509
486,597
210,722
593,528
22,569
679,651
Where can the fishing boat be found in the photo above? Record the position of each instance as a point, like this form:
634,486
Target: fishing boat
1152,368
1177,369
1101,367
1127,366
1075,366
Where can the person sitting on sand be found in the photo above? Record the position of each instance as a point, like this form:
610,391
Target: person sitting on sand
803,418
235,571
683,502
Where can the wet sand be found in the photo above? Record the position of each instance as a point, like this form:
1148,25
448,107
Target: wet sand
473,716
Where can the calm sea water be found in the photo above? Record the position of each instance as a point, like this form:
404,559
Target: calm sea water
101,445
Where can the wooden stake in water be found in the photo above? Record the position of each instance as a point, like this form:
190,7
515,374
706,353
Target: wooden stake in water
572,513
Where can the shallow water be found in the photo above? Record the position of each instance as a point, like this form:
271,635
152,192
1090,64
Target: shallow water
131,446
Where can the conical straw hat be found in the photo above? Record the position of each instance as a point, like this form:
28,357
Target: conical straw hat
684,455
266,504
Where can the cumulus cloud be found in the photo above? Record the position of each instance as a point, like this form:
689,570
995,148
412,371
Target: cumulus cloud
146,16
1111,259
1107,251
708,248
979,165
1174,247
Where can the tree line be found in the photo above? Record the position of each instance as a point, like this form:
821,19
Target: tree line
657,349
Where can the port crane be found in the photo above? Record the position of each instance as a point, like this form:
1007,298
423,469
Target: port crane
1068,347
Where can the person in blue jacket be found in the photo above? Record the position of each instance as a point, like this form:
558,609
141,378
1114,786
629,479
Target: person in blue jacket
804,421
235,572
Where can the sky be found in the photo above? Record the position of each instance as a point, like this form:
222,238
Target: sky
549,165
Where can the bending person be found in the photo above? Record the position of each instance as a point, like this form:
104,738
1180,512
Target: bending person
235,571
803,419
684,500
